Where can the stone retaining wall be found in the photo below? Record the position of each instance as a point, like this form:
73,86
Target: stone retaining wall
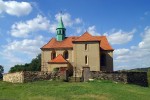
138,78
114,76
36,75
27,76
17,77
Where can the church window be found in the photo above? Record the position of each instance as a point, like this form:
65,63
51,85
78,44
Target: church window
53,54
86,60
85,46
66,55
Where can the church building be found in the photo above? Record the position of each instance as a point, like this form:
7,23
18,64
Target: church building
76,52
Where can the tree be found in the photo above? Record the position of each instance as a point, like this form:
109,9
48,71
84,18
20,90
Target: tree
17,68
34,65
1,71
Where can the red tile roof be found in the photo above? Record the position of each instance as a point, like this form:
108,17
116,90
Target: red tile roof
104,44
58,60
86,37
68,42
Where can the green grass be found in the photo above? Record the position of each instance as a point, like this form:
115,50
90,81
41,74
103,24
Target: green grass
55,90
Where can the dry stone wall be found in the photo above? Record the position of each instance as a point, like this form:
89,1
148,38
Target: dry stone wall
17,77
30,76
138,78
114,76
36,75
27,76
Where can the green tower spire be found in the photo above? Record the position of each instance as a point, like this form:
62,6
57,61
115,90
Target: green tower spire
60,30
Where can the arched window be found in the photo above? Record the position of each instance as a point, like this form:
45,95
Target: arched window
103,59
53,54
85,46
86,60
66,55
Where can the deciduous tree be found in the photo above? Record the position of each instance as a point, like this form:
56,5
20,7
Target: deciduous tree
34,65
1,71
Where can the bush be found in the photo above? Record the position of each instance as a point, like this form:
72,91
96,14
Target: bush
1,76
56,69
1,71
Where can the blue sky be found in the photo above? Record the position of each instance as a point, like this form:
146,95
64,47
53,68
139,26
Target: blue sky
26,25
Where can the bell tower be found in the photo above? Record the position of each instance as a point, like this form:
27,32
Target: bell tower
61,31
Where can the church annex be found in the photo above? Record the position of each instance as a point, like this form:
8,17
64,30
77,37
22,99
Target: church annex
76,52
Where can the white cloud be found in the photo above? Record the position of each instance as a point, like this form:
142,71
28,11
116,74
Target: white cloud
21,51
92,30
15,8
133,59
52,28
66,18
145,43
27,46
23,29
136,56
40,23
121,51
8,55
79,30
78,20
119,37
68,21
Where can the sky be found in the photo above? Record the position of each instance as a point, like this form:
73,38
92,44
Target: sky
26,25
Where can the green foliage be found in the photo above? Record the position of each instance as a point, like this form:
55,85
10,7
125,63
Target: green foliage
1,71
34,65
17,68
56,69
55,90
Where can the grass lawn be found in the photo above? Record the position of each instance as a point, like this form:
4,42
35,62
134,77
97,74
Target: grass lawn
55,90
